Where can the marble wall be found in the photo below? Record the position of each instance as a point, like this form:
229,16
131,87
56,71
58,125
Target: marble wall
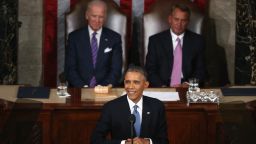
8,41
30,42
245,55
31,37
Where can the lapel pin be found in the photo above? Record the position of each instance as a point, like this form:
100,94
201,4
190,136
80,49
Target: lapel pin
148,113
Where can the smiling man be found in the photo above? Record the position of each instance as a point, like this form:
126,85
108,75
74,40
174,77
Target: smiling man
94,53
176,54
150,121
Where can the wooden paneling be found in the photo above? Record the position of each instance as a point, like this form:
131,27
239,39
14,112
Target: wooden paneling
25,127
73,122
73,126
187,126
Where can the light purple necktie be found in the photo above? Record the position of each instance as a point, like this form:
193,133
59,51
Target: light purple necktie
177,64
94,47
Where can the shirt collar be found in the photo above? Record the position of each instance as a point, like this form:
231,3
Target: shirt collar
131,103
91,31
174,36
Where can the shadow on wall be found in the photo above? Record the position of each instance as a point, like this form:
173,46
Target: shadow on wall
216,62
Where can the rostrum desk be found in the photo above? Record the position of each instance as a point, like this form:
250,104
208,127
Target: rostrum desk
72,120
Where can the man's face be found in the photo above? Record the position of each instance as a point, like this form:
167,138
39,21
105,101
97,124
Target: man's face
95,16
178,21
134,84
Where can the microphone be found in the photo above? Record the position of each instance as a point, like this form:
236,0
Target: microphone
132,120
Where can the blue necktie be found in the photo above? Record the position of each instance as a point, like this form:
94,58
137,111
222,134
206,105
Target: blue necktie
94,47
137,122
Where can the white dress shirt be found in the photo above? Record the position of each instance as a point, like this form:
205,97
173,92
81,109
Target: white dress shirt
139,109
174,42
97,35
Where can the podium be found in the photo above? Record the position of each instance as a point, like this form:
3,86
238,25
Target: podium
71,120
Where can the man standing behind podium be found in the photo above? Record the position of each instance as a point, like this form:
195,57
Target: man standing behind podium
176,54
94,53
150,123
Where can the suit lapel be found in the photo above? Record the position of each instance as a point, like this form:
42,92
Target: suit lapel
126,106
185,53
86,47
168,48
126,113
146,116
102,46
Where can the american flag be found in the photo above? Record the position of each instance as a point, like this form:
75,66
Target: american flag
54,31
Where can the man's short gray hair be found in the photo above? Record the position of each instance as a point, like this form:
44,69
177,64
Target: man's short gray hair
182,7
97,2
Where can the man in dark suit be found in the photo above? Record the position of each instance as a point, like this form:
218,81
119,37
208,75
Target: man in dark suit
162,61
94,53
115,115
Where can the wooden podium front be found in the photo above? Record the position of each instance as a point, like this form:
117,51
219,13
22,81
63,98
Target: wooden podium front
71,120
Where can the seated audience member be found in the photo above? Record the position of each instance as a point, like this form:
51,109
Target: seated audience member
150,121
176,54
94,53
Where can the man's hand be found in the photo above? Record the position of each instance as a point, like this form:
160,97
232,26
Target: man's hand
137,140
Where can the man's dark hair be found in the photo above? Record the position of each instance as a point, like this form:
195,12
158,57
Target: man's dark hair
134,68
182,7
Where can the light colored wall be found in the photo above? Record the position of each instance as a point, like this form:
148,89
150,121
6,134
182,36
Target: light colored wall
30,42
31,37
224,14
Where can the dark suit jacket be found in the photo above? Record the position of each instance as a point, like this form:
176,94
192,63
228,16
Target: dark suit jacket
159,60
115,120
78,65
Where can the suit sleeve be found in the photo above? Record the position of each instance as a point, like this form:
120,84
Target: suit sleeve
151,64
200,66
161,131
103,127
71,73
114,74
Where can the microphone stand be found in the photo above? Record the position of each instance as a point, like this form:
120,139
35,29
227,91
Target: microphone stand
132,132
132,121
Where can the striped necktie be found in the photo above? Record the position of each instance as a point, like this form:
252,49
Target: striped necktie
94,48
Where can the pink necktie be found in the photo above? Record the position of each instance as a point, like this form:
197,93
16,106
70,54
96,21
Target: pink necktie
177,64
